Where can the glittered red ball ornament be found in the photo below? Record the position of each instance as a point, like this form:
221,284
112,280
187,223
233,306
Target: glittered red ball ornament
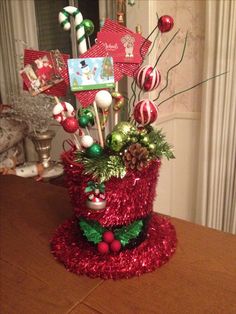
103,247
165,23
70,125
148,78
108,236
145,112
115,246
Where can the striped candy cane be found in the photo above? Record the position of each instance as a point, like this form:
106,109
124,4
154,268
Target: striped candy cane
79,27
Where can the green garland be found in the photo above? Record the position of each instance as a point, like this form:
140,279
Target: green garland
93,231
102,168
162,148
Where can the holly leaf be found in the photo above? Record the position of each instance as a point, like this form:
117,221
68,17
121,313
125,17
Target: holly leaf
92,230
126,233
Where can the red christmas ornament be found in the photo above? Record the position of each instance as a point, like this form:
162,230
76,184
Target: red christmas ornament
165,23
108,236
148,78
115,246
70,125
103,247
145,112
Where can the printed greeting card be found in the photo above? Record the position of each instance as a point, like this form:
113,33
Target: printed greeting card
42,73
122,47
91,73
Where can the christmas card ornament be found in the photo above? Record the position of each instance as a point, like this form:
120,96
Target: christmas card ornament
60,73
145,112
123,47
40,75
148,78
128,69
90,73
87,97
165,23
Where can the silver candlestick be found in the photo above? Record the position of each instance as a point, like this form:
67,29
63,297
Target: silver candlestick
43,142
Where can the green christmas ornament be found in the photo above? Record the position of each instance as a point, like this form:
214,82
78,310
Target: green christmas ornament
94,151
88,27
90,115
115,141
133,139
143,132
83,121
152,147
145,140
126,128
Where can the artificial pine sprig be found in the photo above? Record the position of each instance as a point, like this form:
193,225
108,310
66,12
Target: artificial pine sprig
162,148
102,168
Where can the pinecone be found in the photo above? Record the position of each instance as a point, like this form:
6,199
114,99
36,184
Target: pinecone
135,157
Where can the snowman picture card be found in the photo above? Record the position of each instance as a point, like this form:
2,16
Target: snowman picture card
91,73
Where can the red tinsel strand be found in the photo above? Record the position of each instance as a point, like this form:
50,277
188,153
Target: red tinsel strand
128,199
80,257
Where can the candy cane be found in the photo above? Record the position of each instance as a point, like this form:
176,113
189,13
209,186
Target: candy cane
79,27
62,110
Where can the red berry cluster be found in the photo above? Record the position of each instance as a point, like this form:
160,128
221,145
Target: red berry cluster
109,243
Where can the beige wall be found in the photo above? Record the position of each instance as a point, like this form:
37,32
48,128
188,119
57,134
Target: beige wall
179,117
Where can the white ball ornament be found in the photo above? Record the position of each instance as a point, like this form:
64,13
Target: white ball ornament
86,141
103,99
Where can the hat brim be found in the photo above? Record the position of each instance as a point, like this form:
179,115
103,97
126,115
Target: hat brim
81,257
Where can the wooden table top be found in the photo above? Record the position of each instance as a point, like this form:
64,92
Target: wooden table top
199,278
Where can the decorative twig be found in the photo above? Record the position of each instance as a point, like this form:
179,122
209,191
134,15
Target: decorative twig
170,41
175,65
187,89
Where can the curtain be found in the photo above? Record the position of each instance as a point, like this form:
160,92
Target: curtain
216,197
18,28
